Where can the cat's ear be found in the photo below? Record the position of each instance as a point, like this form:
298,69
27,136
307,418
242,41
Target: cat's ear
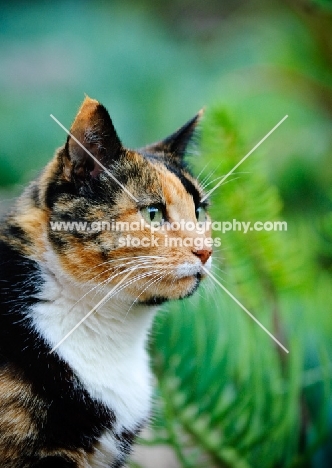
176,144
93,140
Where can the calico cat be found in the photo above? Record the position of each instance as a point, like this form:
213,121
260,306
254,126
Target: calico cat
80,403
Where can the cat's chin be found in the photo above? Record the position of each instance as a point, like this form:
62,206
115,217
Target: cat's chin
155,301
185,288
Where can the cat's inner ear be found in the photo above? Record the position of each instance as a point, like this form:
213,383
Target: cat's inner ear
93,131
176,144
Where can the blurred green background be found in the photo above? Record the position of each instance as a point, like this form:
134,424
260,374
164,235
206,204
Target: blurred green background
226,395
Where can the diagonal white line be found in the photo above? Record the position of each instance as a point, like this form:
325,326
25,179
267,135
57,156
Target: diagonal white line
91,311
243,159
94,158
246,310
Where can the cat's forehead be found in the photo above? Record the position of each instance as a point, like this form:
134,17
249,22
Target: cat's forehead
156,179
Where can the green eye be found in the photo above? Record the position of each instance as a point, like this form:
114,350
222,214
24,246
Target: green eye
200,214
153,214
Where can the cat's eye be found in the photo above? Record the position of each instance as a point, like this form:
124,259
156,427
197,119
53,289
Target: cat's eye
153,214
201,214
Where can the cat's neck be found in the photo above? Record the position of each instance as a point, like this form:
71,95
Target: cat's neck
107,351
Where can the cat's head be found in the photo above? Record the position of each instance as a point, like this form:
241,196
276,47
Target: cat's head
138,211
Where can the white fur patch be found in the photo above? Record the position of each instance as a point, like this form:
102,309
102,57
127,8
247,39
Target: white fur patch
190,269
107,351
208,264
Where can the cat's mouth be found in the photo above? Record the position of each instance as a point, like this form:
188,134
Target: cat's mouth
167,283
179,288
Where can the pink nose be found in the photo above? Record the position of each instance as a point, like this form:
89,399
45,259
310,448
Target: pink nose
203,254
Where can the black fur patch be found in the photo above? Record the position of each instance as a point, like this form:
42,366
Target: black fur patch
16,232
188,185
54,462
73,419
155,300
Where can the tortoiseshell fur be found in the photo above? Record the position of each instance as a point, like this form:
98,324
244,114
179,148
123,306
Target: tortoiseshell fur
82,405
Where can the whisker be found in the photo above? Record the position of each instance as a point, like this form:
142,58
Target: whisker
148,284
218,178
136,278
104,283
202,170
97,286
133,259
126,285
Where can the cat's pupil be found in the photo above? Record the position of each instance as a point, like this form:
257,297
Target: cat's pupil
153,211
200,214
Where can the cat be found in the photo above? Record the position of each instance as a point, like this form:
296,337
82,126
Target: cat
79,402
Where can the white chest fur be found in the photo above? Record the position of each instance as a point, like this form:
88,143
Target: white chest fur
107,351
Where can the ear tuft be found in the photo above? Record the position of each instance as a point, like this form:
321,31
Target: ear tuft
176,144
95,141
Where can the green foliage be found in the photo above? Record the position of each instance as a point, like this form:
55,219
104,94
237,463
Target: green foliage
262,259
227,395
